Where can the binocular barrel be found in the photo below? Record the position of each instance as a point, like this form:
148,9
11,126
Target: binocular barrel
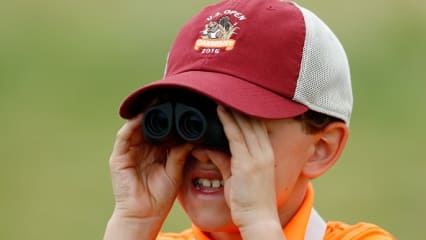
171,123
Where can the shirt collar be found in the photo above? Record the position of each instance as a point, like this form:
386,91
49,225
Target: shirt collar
296,227
306,223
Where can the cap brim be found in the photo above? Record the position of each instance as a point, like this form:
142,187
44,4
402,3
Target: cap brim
227,90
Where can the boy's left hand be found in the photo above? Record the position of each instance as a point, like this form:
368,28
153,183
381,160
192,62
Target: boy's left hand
249,180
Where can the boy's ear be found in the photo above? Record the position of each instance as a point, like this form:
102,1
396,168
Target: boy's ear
328,146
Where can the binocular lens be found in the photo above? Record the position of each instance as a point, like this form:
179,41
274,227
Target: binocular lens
172,123
191,125
158,123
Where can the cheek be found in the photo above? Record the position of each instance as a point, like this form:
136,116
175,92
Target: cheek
290,158
290,155
286,175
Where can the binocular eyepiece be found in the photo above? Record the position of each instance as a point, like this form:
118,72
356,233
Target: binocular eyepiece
173,122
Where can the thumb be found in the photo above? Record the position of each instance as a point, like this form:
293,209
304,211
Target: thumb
222,162
176,160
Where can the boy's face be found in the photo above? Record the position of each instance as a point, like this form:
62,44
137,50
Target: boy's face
202,191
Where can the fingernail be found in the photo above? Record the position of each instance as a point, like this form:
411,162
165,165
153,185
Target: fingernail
221,108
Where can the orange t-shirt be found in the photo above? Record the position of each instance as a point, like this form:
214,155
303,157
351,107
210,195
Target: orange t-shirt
302,223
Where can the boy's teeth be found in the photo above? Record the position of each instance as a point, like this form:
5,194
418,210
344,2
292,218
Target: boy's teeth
205,183
216,183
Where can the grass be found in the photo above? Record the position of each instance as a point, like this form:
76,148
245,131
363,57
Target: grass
65,67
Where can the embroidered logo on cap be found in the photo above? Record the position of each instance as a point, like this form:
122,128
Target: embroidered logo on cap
218,31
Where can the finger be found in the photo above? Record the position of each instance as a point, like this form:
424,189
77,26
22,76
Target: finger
222,162
255,135
264,141
262,135
237,144
176,160
125,134
248,131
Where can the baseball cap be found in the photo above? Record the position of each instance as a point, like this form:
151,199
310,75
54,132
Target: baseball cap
270,59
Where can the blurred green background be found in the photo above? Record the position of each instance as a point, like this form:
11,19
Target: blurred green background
65,66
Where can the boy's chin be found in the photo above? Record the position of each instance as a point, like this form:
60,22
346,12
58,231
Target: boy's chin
214,226
212,220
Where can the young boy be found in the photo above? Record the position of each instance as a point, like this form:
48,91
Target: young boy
280,80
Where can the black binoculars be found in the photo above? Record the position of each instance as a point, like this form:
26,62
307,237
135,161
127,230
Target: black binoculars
173,122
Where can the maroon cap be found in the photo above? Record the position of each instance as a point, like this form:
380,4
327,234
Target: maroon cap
247,55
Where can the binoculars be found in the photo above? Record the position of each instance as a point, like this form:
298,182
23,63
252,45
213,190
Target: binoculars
173,122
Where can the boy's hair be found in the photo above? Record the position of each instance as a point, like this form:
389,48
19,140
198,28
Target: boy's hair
314,122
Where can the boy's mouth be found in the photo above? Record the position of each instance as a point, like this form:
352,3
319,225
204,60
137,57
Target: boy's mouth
207,185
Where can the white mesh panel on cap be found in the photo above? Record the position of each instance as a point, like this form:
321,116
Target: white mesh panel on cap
324,83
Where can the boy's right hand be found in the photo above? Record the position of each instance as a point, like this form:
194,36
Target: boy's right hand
145,180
